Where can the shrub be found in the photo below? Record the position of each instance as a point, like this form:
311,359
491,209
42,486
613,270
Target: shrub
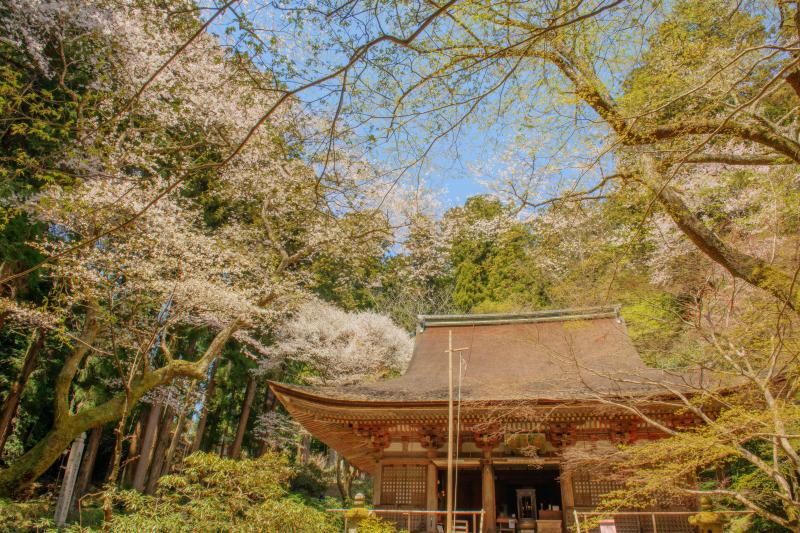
374,524
210,493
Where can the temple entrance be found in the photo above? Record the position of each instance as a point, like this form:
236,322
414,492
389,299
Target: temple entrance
520,490
527,493
467,493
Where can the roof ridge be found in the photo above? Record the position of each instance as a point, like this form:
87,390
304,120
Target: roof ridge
548,315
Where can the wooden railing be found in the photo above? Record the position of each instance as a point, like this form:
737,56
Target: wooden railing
648,521
408,514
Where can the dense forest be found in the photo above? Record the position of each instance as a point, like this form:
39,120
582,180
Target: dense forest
191,206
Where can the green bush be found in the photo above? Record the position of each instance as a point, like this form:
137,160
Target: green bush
30,515
210,493
374,524
310,480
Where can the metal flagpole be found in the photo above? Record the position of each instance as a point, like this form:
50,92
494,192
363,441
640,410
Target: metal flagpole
450,432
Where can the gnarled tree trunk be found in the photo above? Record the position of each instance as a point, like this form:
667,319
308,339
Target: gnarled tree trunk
633,132
67,427
751,269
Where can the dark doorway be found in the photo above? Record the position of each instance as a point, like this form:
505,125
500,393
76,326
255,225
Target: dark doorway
542,480
468,491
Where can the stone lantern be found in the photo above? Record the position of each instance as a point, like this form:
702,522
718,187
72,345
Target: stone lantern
706,520
356,514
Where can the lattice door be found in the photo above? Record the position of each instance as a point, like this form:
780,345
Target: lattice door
588,491
403,487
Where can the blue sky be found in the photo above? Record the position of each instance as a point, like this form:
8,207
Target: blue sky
456,169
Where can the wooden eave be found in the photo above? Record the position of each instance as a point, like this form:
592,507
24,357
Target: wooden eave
337,422
345,410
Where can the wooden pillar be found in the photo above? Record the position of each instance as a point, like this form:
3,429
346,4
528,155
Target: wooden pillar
567,497
488,499
68,483
377,479
432,496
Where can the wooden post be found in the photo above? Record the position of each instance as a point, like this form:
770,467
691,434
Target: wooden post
487,494
68,483
377,479
577,520
408,522
450,432
567,494
432,499
655,527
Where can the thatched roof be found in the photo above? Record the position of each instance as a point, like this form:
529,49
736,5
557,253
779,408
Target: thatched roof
574,354
541,367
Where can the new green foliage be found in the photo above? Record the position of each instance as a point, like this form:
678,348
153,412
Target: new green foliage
209,493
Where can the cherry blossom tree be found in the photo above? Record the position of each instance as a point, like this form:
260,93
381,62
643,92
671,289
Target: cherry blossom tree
340,347
150,237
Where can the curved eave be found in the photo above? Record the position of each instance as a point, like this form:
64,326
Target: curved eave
335,421
354,405
337,434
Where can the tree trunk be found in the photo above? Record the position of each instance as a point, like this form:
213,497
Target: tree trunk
179,428
11,403
87,465
148,443
304,449
201,423
751,269
133,449
222,448
345,473
67,427
183,411
112,478
160,451
250,394
68,483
